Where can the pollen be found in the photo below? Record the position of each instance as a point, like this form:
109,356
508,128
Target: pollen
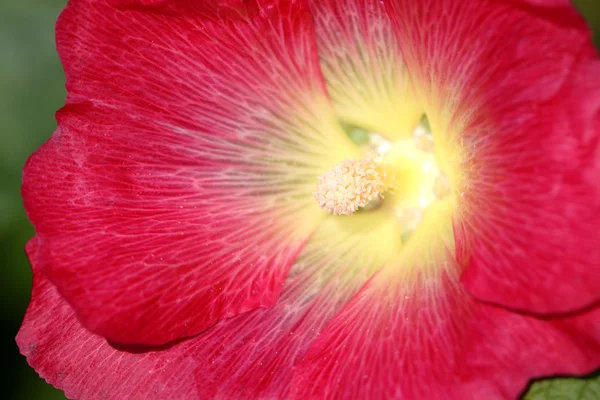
350,185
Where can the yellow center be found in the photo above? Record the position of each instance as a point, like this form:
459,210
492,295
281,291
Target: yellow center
403,171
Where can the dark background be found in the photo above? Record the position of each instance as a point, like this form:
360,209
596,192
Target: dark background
31,90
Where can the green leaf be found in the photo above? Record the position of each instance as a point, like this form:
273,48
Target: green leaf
565,389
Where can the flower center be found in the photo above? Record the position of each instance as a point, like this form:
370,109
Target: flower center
350,185
401,177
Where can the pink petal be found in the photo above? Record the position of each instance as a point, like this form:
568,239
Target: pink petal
248,356
83,364
543,3
514,88
214,9
177,190
363,67
413,332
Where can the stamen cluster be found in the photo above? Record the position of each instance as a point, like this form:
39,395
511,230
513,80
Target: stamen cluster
350,185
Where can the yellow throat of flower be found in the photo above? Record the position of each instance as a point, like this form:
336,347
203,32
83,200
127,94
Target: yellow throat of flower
402,177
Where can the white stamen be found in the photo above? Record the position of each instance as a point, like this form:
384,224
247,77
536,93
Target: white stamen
350,185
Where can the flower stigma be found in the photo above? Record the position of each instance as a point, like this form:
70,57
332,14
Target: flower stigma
350,185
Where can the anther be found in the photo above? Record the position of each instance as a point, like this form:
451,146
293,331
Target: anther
350,185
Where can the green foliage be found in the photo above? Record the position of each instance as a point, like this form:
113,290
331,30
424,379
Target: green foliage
565,389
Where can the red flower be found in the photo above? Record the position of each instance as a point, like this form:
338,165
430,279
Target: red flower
180,253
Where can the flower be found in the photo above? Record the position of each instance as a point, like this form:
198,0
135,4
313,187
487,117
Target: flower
180,253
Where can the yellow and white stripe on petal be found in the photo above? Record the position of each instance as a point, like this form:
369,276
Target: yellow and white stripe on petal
363,67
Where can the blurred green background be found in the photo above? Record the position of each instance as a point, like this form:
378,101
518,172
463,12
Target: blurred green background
32,89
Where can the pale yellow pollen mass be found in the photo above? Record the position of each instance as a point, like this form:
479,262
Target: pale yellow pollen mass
350,185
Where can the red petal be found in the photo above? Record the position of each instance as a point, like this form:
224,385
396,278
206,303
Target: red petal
230,9
249,356
177,189
514,89
414,333
363,68
544,3
84,365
